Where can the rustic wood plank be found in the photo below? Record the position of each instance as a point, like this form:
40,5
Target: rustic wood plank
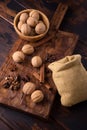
58,16
61,48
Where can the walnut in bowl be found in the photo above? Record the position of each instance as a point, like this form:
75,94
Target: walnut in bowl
31,24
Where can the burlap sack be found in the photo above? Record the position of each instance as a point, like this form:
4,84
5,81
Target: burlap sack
70,78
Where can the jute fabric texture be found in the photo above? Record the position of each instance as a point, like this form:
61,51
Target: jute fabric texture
70,78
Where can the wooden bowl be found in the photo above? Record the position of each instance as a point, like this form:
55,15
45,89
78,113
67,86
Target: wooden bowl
37,36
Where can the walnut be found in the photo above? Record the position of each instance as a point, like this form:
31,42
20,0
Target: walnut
37,96
36,61
25,29
29,88
24,17
28,49
40,28
20,23
18,56
34,14
32,22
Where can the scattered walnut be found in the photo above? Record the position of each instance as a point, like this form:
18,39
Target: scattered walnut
36,61
25,29
29,88
28,49
23,17
40,28
18,56
37,96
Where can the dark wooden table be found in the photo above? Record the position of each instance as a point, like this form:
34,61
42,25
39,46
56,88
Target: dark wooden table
75,20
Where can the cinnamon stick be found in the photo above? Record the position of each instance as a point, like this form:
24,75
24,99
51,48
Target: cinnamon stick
42,73
37,76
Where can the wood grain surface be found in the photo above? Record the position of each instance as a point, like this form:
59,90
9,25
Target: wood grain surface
75,20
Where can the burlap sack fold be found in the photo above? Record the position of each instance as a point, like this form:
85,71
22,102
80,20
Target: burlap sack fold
70,78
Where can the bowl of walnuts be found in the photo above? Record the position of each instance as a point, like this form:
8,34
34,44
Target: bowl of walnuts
31,24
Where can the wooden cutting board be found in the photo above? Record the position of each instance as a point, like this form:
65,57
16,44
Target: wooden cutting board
54,46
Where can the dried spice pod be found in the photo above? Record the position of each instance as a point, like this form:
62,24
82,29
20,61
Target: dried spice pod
15,85
37,96
6,82
50,58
